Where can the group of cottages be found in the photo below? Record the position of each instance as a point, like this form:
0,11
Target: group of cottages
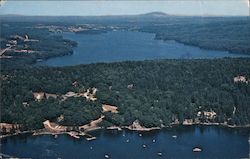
90,95
207,114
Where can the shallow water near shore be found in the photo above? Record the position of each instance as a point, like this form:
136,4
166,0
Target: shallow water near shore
118,46
215,142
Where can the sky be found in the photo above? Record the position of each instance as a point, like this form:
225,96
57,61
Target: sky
129,7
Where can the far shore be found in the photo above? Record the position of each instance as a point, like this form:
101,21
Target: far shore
76,135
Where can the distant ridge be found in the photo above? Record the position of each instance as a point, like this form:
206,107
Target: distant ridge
151,14
155,14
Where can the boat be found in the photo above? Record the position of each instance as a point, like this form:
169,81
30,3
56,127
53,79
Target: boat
159,154
106,156
154,140
144,146
174,136
90,138
197,149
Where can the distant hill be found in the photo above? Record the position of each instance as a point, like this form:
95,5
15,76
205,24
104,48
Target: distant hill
155,14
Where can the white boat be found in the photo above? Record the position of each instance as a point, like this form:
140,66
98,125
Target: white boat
197,149
174,136
159,154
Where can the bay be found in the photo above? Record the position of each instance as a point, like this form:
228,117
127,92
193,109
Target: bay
176,142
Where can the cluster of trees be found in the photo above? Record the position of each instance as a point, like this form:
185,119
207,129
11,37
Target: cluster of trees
159,92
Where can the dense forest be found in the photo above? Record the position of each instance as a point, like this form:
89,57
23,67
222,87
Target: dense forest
154,92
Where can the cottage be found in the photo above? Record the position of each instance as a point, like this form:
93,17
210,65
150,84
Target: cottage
6,127
188,122
74,83
240,79
39,96
90,94
70,94
60,118
209,114
130,86
25,104
199,114
94,90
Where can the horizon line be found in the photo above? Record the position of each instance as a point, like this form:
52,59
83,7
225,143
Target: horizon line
140,14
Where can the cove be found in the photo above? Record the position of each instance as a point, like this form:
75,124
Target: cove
118,46
215,142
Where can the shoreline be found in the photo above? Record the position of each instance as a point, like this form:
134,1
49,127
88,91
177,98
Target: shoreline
217,124
77,135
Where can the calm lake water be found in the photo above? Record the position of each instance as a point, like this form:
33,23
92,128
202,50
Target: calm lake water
215,142
128,45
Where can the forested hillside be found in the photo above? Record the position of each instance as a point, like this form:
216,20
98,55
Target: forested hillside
154,92
230,34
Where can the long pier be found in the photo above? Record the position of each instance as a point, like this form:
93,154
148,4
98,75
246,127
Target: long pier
4,50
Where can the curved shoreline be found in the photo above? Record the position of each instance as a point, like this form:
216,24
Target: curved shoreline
75,134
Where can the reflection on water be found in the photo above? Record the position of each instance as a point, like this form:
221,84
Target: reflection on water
176,142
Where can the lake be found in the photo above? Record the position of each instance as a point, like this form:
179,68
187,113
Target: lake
117,46
215,142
